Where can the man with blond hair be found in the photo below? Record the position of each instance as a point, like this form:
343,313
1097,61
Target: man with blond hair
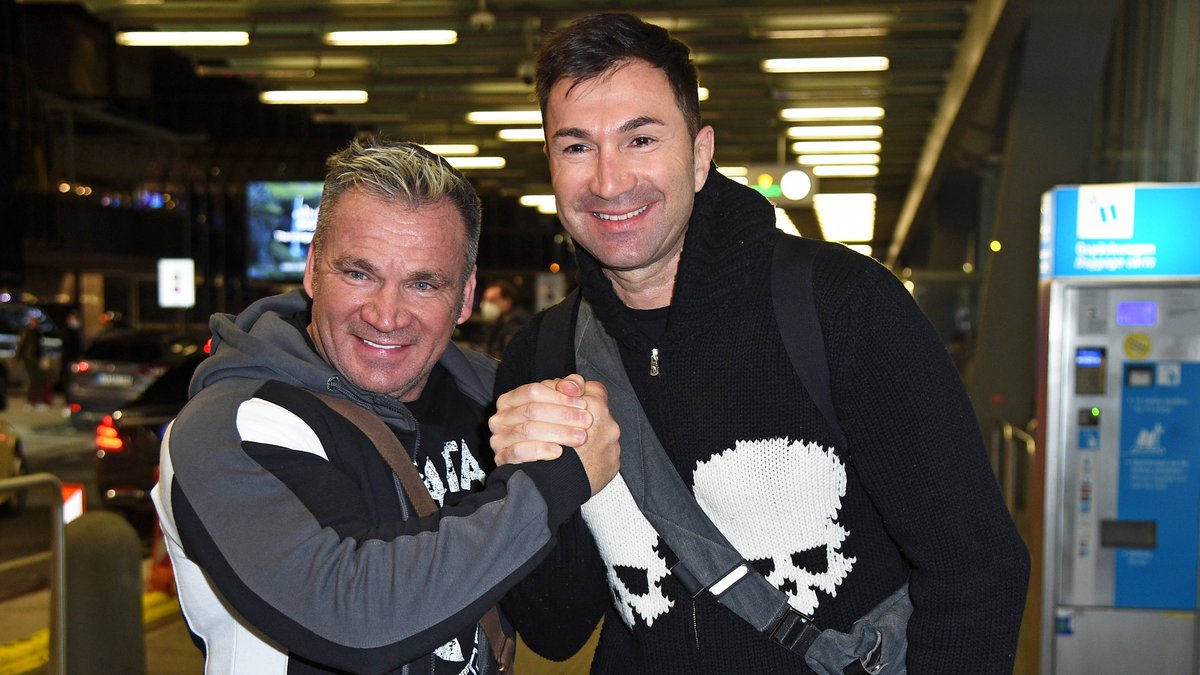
295,548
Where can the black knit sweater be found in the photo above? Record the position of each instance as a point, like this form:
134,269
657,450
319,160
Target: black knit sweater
838,528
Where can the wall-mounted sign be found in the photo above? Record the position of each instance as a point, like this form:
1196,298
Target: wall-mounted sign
1120,230
176,282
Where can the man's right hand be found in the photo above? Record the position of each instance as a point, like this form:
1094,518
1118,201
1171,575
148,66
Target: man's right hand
532,422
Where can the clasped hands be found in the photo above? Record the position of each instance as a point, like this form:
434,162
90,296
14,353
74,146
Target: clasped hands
534,421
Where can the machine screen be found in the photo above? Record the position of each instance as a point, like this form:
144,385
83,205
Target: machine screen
1139,313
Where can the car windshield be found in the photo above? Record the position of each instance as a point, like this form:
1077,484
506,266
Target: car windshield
172,387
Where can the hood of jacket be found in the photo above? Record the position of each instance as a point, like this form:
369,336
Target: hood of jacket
729,234
263,343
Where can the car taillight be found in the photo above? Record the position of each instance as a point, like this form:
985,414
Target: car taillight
80,367
107,437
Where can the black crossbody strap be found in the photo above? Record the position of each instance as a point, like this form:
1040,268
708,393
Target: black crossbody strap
799,327
504,647
554,356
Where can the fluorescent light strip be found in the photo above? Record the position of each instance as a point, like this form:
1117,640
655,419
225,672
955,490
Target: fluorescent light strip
846,171
784,222
845,217
381,38
837,132
226,38
836,146
817,33
505,117
828,114
815,160
476,162
732,171
322,61
522,135
543,203
834,64
332,96
453,149
360,118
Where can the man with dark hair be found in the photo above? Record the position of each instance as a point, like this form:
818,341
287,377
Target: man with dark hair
295,548
675,273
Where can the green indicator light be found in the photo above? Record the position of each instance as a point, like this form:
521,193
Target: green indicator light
1095,412
769,190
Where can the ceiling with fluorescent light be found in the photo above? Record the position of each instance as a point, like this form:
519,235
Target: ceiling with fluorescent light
943,65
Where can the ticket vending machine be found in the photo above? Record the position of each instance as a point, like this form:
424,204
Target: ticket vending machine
1120,308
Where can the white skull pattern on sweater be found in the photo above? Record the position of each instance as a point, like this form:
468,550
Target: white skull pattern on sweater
799,554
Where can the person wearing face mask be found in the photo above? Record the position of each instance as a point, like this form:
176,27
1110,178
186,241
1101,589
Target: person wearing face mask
504,316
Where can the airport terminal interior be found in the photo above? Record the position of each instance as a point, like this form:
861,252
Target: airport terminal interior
1029,169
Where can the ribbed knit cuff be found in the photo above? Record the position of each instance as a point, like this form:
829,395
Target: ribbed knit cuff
563,484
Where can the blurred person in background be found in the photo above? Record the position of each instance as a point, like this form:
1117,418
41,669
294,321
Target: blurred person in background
36,364
504,316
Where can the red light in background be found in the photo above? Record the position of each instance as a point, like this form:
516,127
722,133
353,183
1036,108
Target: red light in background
107,437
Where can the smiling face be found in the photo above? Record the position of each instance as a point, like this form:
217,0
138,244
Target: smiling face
388,289
625,170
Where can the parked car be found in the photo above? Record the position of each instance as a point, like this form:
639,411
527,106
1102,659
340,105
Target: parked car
118,366
127,443
13,317
12,464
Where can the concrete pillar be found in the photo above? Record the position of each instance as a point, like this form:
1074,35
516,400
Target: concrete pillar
104,633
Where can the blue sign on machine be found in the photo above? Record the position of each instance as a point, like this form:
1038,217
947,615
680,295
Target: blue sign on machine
1120,230
1158,508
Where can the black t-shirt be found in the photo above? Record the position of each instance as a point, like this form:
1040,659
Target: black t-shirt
451,450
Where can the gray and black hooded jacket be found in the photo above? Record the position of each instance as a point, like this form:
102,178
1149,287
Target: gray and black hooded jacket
293,546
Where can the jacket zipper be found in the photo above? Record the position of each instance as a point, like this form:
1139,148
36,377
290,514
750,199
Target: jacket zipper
654,362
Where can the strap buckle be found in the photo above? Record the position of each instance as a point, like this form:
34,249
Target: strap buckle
795,631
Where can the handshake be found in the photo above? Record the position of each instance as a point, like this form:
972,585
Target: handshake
534,421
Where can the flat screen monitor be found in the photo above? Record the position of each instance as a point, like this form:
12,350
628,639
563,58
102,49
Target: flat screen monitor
281,217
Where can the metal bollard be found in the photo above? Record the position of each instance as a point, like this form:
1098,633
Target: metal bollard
104,631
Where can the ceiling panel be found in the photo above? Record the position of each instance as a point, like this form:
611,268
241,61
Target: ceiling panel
424,93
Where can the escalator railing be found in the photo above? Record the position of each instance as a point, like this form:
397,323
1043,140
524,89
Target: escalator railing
1011,450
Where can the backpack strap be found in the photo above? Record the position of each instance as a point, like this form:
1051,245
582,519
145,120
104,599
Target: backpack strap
555,353
799,327
503,646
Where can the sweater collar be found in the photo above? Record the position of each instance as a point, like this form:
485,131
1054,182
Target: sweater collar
729,228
